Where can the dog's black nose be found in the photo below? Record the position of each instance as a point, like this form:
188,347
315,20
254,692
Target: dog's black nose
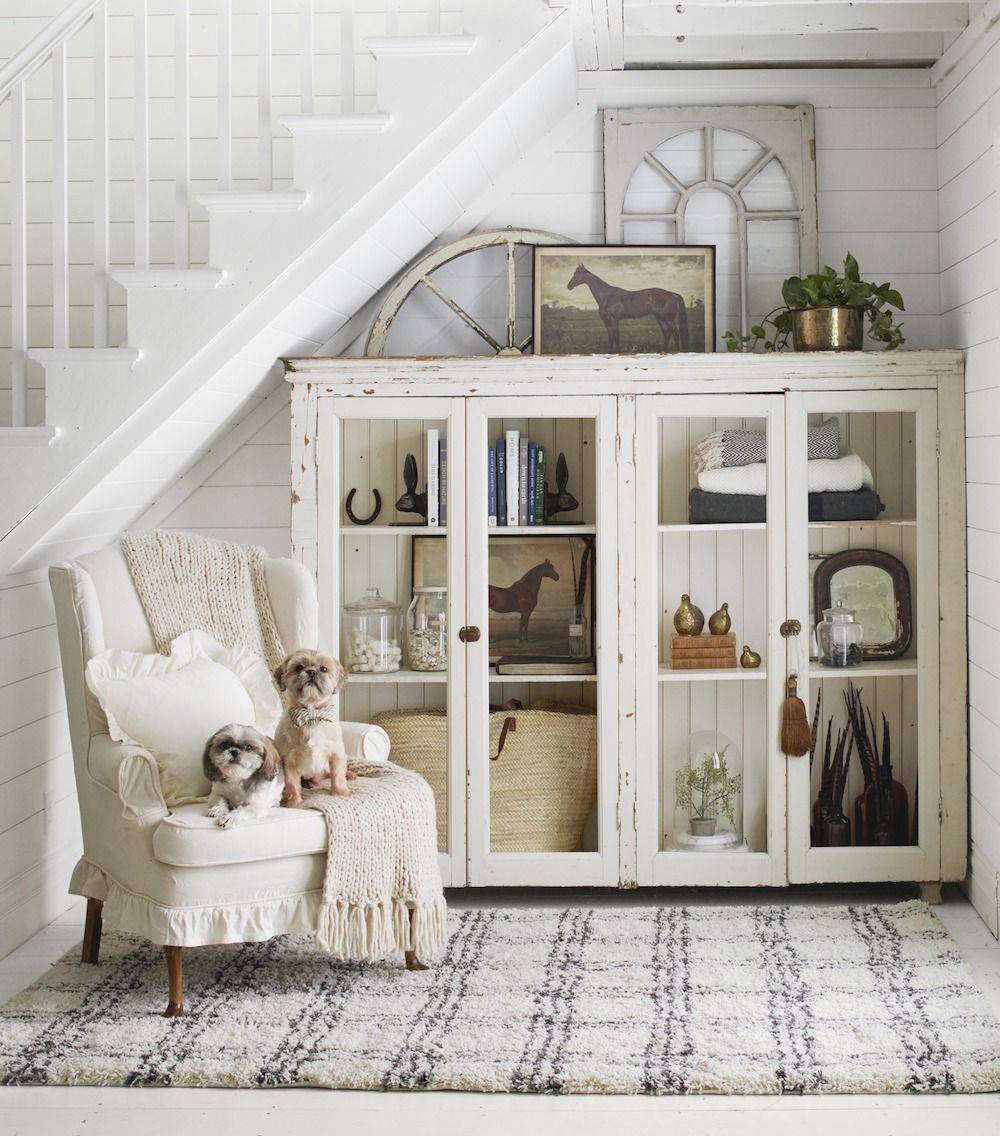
310,672
234,756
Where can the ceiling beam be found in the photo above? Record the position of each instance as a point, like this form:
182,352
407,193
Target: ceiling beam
791,50
598,33
966,51
691,19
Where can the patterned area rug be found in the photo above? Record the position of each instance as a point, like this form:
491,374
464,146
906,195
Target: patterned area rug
871,999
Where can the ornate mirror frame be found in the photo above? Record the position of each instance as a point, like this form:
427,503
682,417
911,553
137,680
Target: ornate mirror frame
869,557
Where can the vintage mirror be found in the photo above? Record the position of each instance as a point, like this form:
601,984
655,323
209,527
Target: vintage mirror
876,587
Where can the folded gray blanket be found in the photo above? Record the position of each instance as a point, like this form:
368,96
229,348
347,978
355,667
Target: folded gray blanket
747,447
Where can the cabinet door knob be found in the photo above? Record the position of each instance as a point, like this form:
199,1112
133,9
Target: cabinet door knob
789,628
469,634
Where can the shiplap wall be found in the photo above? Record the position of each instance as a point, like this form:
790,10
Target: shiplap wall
968,117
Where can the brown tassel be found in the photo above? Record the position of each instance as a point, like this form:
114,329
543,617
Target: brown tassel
796,737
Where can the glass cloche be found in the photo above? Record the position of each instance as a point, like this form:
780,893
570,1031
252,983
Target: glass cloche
708,794
372,632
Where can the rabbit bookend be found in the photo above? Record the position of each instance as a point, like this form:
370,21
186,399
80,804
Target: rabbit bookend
412,501
560,501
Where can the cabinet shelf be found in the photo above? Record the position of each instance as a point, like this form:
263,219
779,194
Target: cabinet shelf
404,675
727,674
874,668
542,530
760,526
392,530
749,526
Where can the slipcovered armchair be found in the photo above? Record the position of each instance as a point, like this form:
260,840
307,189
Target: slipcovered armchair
174,876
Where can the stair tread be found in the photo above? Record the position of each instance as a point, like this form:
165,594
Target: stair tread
420,45
261,200
84,354
374,122
27,435
167,276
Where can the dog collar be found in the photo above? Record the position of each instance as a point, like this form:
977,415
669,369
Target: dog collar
306,716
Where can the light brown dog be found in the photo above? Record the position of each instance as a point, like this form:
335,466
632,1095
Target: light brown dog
309,738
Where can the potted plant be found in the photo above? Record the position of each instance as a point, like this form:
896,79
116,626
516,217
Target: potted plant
824,312
707,789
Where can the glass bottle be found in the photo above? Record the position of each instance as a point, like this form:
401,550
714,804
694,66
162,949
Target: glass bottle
839,637
372,628
427,629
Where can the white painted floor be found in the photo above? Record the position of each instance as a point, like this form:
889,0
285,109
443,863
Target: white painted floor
288,1112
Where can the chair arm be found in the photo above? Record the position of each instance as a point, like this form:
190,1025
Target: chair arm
365,742
131,773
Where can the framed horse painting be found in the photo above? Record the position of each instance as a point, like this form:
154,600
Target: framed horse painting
624,300
538,587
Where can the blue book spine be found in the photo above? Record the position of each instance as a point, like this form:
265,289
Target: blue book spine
491,487
501,452
532,477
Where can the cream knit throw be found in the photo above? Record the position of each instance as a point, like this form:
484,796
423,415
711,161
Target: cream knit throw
382,891
187,582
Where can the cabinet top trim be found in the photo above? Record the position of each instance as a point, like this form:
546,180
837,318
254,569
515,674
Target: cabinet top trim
924,368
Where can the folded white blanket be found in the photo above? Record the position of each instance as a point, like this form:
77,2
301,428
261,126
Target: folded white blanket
838,475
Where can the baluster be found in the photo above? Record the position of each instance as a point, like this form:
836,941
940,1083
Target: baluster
264,96
101,259
182,135
306,57
141,162
346,56
60,255
18,261
392,17
433,17
225,104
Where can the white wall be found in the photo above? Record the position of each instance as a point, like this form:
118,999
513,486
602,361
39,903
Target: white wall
968,117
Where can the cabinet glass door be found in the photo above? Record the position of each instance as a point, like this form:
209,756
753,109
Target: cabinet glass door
393,591
709,778
541,642
862,580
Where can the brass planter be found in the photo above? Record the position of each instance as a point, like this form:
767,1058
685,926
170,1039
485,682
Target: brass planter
827,329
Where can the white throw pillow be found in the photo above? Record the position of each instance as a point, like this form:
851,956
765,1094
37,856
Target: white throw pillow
172,704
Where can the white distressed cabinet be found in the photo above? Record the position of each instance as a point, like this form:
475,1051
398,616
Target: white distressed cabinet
628,427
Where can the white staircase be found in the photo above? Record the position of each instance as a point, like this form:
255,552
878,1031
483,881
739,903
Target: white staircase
287,264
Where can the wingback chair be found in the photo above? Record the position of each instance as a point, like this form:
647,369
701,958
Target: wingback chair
172,875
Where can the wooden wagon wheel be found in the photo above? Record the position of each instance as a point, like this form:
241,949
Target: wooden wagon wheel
419,274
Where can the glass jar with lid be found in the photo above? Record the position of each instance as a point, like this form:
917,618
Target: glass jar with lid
427,629
372,627
838,637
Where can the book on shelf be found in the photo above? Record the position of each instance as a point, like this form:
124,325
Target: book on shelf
532,475
433,519
522,482
546,665
513,475
700,642
443,481
540,487
688,664
492,505
501,457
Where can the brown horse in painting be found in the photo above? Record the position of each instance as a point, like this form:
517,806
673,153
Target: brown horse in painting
522,595
616,304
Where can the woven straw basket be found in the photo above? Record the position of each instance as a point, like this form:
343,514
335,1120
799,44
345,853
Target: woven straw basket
543,773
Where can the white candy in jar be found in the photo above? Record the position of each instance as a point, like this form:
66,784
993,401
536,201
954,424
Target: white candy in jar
375,656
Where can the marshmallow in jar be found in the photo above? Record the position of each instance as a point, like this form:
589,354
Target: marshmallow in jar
372,634
427,629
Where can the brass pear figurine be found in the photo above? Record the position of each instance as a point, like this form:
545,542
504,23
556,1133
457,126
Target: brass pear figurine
688,619
749,659
720,623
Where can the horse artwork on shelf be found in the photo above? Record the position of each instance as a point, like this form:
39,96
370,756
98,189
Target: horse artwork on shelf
624,300
538,586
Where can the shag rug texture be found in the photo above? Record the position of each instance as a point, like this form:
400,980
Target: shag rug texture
872,999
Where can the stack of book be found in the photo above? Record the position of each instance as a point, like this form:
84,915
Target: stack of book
515,480
702,652
437,480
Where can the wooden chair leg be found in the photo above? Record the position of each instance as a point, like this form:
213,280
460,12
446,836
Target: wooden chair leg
92,931
412,962
175,1006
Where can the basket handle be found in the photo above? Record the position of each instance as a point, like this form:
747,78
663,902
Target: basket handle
509,724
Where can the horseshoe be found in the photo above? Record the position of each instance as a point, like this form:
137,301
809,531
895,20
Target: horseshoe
363,520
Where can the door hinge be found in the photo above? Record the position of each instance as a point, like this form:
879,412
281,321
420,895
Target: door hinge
937,442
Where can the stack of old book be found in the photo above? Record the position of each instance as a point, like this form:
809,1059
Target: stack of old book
702,652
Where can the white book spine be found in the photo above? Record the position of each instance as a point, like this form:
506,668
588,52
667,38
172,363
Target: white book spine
432,479
513,475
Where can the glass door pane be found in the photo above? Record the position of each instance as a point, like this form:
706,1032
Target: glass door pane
862,524
710,590
393,590
542,727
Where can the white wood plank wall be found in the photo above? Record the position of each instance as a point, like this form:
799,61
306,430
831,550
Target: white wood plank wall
292,85
968,116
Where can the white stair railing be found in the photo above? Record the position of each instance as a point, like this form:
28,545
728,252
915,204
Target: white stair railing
115,184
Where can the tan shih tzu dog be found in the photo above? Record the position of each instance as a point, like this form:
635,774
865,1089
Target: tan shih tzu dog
308,736
245,771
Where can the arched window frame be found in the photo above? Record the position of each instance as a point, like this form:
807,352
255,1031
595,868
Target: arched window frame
785,134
